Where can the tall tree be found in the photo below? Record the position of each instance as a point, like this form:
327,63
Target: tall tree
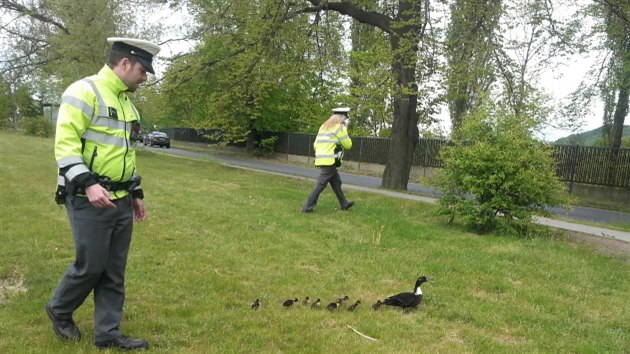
370,81
59,41
252,38
470,47
531,42
615,22
406,24
257,67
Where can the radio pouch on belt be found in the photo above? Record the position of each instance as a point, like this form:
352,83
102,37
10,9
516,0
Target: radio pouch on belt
338,155
60,195
61,192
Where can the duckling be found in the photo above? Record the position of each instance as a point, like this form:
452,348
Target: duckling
343,299
333,305
289,302
306,301
377,305
316,304
408,300
256,304
354,306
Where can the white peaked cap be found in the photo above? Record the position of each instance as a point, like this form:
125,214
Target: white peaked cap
341,110
147,46
140,49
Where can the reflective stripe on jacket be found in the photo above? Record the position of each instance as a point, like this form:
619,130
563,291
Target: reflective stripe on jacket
94,128
326,142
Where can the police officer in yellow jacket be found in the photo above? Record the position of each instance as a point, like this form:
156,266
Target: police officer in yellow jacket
101,191
332,139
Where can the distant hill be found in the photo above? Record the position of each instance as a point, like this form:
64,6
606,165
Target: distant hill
590,137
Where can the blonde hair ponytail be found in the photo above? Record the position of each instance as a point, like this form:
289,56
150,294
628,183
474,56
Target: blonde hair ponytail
335,119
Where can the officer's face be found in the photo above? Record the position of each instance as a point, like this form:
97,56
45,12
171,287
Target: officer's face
134,75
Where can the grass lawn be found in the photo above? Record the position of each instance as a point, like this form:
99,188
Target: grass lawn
218,237
579,200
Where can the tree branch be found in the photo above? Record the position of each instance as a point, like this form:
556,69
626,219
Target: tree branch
21,35
346,8
19,8
615,9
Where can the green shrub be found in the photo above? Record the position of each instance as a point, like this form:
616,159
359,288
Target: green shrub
5,123
37,126
266,146
496,168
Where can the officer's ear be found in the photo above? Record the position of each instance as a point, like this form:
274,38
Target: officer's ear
125,64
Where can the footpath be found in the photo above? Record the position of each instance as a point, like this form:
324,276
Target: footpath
372,185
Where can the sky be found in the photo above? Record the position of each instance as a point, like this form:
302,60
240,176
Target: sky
560,84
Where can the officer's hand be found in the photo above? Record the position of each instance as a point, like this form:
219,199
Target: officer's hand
139,212
99,196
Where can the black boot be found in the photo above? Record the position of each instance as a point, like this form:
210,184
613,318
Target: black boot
64,329
348,206
123,343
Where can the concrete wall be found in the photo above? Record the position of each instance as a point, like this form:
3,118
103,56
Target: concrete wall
608,195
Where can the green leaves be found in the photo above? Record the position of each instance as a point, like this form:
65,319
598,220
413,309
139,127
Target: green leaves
256,68
496,169
470,44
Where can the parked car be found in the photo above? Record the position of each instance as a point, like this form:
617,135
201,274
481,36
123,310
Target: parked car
157,139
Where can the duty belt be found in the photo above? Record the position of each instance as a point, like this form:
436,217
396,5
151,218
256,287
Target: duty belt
108,185
115,186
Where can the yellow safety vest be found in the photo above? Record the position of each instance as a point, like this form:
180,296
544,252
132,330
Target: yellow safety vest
94,127
327,141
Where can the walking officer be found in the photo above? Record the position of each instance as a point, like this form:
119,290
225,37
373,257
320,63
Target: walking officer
332,139
101,190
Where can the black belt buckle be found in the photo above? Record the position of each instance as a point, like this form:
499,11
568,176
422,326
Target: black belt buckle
105,182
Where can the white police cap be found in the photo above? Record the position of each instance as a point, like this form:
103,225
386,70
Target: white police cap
341,110
140,49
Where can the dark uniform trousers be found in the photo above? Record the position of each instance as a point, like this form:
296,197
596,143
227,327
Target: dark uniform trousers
101,240
328,174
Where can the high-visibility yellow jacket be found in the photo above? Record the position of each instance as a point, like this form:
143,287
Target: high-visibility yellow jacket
94,127
327,141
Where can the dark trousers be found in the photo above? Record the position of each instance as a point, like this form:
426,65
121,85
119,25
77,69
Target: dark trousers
328,174
101,242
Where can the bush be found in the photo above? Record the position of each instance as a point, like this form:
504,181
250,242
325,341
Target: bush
5,123
495,168
267,146
37,126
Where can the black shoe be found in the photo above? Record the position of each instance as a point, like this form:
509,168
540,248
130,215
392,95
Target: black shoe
348,206
307,210
123,343
64,329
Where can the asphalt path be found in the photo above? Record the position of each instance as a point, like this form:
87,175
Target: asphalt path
416,192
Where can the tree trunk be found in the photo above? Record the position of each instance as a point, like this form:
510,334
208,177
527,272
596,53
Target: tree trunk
251,141
405,34
405,132
621,111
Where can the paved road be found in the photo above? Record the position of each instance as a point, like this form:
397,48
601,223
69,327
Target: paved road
427,194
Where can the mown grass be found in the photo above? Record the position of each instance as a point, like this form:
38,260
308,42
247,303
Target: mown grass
578,200
217,238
